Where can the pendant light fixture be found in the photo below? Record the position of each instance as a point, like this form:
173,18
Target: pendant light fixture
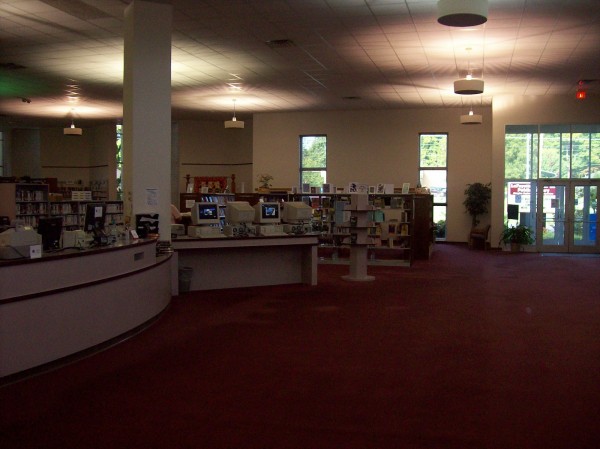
72,130
471,118
234,122
462,13
468,85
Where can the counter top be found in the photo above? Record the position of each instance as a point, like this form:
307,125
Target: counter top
76,252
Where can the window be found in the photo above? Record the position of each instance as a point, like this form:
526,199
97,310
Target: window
533,152
433,157
119,157
551,151
313,160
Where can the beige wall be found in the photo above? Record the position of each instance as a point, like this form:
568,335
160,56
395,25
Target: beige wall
206,148
363,146
26,161
378,146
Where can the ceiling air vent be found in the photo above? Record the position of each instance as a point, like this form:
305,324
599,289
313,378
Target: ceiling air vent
280,43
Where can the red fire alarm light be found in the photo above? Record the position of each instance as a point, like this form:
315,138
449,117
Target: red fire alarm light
580,95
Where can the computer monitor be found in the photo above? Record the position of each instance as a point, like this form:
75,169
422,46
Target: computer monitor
239,212
205,213
50,228
266,213
95,217
296,212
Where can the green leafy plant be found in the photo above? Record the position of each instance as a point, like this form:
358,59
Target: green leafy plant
265,180
519,235
478,196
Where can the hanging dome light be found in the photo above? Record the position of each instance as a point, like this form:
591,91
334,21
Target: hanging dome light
471,118
234,122
462,13
468,86
72,130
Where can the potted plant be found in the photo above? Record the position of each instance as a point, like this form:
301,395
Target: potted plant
264,181
516,236
477,199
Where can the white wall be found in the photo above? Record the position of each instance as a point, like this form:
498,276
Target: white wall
378,146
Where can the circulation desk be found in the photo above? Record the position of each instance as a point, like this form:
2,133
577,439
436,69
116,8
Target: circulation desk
232,262
73,301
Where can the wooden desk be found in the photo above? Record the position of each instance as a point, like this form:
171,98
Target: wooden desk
246,262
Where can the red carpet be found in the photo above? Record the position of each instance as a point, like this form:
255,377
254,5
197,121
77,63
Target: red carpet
470,350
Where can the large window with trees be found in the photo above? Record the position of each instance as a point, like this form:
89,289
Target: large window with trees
433,171
313,160
554,152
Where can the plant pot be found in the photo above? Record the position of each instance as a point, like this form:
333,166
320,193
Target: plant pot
515,247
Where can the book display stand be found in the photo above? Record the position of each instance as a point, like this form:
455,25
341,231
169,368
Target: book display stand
357,229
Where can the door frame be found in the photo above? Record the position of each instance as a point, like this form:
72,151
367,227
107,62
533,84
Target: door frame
568,219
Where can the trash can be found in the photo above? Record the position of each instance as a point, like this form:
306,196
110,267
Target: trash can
185,279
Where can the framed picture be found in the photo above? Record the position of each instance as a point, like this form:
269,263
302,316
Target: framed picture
381,188
328,188
362,188
405,187
372,189
305,187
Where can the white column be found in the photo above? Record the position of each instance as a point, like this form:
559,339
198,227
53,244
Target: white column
147,112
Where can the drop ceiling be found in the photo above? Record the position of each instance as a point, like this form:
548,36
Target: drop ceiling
63,58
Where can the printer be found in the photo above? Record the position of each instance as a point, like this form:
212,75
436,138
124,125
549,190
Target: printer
15,242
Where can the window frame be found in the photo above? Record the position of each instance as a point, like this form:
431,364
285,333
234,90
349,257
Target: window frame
437,204
303,169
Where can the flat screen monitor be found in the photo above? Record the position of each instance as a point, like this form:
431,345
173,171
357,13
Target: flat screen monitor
238,212
95,217
50,228
265,213
296,212
205,213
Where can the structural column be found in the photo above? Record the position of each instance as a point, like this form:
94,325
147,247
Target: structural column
147,112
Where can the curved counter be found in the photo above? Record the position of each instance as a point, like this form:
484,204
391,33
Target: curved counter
71,301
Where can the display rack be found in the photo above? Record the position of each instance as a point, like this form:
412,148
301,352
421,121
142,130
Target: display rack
402,227
357,233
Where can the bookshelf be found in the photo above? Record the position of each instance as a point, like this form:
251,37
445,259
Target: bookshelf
24,201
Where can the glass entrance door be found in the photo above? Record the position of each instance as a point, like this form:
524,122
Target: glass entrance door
568,222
